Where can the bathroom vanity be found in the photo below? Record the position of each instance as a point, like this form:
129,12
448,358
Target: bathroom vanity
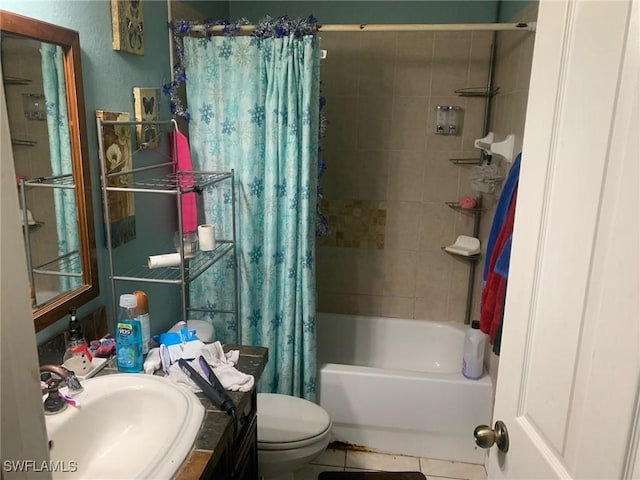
216,454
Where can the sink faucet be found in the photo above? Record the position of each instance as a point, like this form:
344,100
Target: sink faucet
55,403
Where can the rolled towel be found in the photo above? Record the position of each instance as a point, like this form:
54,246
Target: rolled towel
215,355
229,376
223,366
232,379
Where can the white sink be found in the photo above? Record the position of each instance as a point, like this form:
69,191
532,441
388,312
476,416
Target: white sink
127,426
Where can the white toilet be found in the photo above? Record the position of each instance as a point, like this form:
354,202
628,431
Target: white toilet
291,432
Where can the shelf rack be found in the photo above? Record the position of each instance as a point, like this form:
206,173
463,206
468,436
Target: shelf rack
476,212
459,208
194,267
472,259
491,147
11,80
486,92
466,161
65,265
153,179
59,181
180,182
19,142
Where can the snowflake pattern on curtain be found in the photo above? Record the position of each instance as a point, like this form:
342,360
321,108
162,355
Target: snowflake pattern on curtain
268,27
255,109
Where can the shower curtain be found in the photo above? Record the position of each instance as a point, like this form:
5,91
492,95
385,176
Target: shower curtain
254,108
60,153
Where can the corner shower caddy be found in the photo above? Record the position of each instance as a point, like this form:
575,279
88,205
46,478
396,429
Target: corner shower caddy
472,259
487,93
154,179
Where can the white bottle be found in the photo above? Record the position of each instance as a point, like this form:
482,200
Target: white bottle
473,357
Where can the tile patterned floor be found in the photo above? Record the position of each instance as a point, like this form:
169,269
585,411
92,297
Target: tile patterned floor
350,460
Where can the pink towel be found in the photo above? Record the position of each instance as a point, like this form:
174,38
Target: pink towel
183,163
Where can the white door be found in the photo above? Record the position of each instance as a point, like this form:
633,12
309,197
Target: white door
569,369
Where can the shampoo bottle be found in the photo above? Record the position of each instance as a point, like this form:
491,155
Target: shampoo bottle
129,336
473,357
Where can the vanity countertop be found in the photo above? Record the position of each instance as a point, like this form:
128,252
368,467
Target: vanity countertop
217,427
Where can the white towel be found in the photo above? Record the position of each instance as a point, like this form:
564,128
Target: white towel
223,366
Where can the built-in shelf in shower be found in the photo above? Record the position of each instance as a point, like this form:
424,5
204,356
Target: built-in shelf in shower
35,226
9,80
466,161
459,208
20,142
477,92
471,258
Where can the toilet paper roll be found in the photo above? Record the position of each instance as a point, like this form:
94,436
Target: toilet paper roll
166,260
207,237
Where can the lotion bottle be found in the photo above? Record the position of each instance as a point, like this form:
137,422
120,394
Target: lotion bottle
473,357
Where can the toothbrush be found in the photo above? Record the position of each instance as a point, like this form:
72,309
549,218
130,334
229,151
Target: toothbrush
71,401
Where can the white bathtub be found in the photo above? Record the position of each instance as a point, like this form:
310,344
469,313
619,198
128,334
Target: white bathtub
395,386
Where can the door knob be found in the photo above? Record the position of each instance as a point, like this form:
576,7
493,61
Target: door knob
486,436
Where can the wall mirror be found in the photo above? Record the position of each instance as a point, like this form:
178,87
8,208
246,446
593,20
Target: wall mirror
42,78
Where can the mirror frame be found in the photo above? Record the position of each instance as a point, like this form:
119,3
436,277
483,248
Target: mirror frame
69,40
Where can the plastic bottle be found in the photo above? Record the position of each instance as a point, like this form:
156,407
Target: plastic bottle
473,357
129,336
77,356
143,316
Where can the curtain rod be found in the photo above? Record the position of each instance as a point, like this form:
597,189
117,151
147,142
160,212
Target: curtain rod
424,27
398,27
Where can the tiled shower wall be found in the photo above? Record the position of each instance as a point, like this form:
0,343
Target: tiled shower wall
389,175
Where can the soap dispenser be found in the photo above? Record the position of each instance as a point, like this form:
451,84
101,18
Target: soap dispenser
77,357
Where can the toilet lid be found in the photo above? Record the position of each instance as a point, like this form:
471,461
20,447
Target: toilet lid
283,419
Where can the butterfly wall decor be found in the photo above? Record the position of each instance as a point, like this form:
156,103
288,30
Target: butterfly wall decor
127,26
146,108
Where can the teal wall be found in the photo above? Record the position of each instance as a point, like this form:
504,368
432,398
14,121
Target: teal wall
109,77
210,8
509,8
418,11
359,11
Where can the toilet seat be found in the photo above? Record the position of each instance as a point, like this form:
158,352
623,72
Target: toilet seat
286,422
